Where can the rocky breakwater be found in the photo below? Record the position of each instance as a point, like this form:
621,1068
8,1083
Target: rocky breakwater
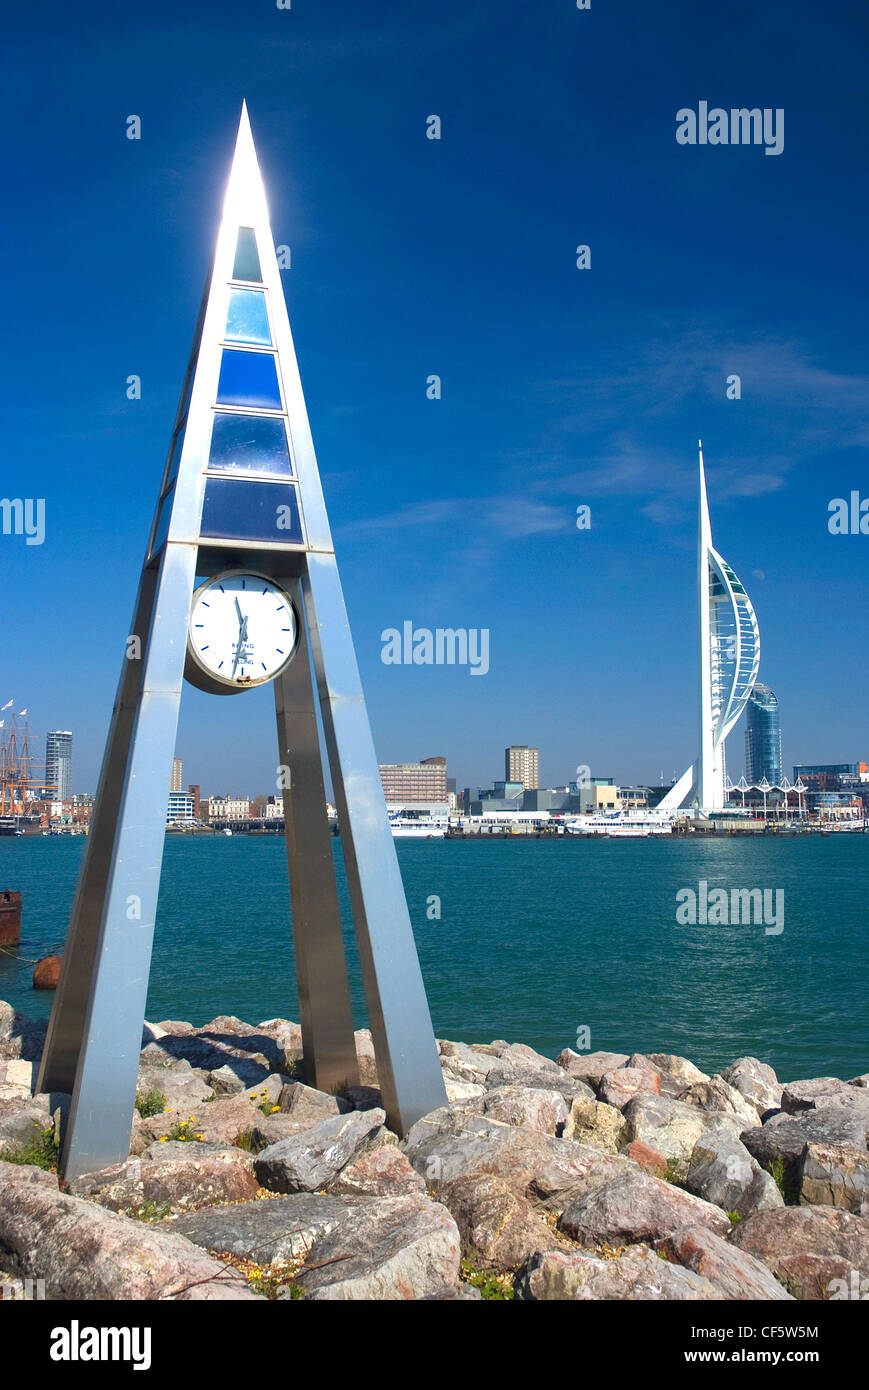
594,1176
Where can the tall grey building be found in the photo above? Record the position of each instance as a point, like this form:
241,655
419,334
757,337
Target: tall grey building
762,737
58,764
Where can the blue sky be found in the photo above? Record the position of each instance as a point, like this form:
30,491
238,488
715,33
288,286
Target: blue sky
457,257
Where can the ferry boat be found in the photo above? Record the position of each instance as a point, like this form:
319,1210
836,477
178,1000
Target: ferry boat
407,826
621,825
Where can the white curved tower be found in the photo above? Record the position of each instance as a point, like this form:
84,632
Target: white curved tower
729,650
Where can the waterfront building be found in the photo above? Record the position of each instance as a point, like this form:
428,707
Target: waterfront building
180,809
194,792
729,659
554,799
58,764
228,808
522,764
762,737
425,781
177,783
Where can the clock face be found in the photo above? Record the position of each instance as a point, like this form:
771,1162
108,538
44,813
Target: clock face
243,629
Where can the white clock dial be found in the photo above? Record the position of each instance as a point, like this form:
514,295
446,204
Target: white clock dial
243,629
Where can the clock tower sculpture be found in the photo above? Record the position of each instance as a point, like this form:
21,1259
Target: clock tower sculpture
239,588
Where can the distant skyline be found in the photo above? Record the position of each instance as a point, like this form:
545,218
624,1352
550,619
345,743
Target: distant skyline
457,258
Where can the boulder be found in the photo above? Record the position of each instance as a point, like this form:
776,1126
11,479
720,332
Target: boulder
722,1171
83,1251
190,1176
16,1079
652,1160
303,1103
275,1232
718,1096
21,1120
365,1057
499,1230
590,1067
676,1073
219,1122
382,1171
182,1085
816,1252
388,1248
20,1036
466,1062
312,1160
737,1274
782,1138
634,1207
46,972
671,1126
447,1144
593,1122
834,1175
808,1095
619,1086
517,1073
756,1081
545,1111
637,1275
459,1089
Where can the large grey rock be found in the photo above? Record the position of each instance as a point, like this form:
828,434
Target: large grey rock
381,1171
278,1231
312,1160
389,1248
756,1081
590,1067
85,1252
517,1073
621,1085
180,1176
637,1275
835,1175
717,1096
816,1252
722,1171
499,1229
303,1103
182,1085
545,1111
671,1126
466,1062
220,1121
636,1207
808,1095
737,1274
20,1036
782,1138
446,1145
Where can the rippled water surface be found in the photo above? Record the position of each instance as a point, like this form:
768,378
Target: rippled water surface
535,939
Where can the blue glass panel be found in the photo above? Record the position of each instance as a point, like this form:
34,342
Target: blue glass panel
175,458
248,378
246,319
249,444
163,519
239,509
246,264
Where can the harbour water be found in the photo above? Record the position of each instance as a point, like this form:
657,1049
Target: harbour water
535,939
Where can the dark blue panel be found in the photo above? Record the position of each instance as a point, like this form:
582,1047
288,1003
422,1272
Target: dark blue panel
246,265
249,444
239,509
248,378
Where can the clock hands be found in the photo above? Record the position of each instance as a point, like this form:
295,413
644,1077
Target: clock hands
242,636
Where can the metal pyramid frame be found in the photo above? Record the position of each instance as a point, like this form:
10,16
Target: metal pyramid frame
208,522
